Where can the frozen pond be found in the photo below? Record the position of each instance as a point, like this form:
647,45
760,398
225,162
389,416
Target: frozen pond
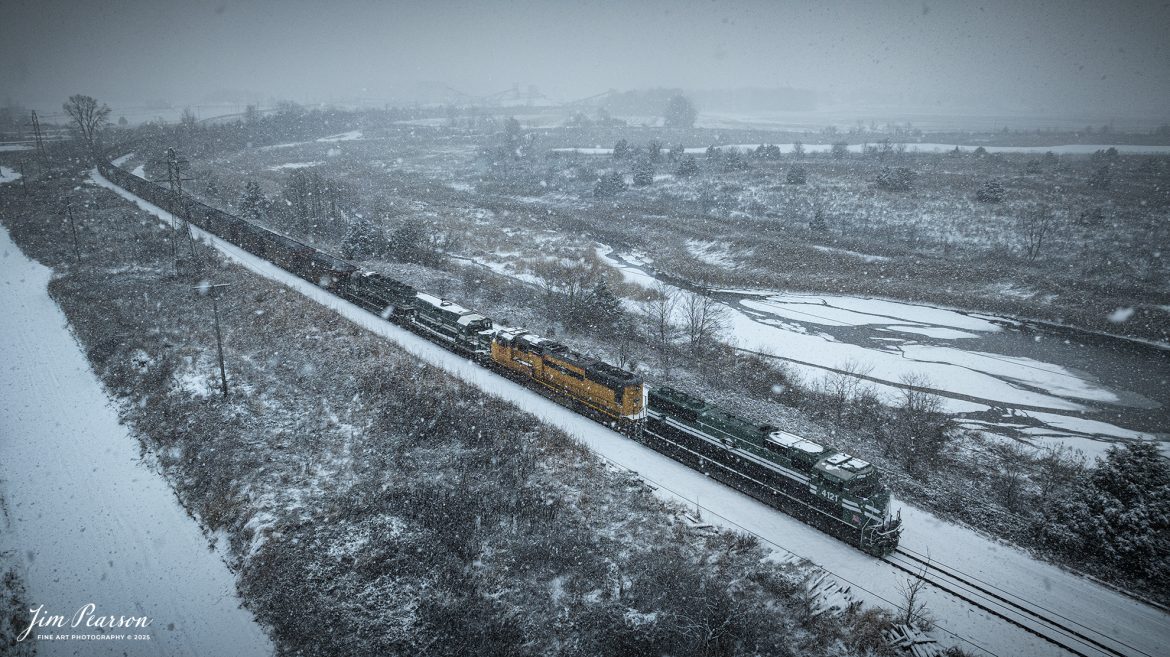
1031,381
88,522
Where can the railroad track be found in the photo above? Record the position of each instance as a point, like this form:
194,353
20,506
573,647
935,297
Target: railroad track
1046,624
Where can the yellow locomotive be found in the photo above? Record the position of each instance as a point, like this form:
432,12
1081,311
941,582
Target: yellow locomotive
609,390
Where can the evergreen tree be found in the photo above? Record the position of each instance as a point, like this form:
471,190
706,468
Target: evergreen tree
688,167
767,152
362,238
603,307
1118,512
899,179
643,172
818,223
621,150
734,161
797,175
611,184
654,150
990,192
252,203
676,153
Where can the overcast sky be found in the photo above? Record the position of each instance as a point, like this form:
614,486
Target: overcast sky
1058,58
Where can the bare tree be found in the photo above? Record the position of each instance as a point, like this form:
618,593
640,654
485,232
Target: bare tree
1010,483
1034,225
1059,467
842,386
913,610
922,426
706,319
188,120
567,284
658,313
87,117
916,396
625,335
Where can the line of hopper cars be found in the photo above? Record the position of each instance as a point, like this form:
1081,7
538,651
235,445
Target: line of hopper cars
838,493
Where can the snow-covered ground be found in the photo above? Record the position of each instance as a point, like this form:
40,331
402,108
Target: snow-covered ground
719,254
1074,597
352,135
910,147
14,147
295,165
8,175
88,521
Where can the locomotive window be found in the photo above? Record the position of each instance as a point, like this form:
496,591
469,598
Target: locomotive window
864,487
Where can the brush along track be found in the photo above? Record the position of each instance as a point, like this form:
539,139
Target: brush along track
1030,617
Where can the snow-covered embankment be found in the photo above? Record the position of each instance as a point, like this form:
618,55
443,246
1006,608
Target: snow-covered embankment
87,520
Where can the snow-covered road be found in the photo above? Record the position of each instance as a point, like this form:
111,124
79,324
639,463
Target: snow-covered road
86,520
1145,628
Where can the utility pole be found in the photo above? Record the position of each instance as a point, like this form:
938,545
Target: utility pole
210,289
40,140
175,165
73,228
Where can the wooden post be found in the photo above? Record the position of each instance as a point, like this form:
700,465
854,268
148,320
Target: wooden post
219,345
73,228
211,289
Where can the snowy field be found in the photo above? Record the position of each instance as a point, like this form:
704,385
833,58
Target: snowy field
8,175
352,135
910,147
88,520
294,165
1012,570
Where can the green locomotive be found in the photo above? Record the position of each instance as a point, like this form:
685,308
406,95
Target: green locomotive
831,490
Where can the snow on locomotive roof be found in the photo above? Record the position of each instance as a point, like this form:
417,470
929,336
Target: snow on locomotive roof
792,441
846,462
441,303
517,333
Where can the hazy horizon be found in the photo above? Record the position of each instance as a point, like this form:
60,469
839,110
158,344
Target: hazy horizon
1056,60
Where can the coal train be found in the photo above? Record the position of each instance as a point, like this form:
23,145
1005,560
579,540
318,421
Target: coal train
840,494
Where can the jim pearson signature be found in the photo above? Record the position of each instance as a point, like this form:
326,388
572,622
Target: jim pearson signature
86,616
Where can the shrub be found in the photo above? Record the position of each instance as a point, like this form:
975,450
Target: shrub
611,184
898,179
990,191
643,172
687,167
